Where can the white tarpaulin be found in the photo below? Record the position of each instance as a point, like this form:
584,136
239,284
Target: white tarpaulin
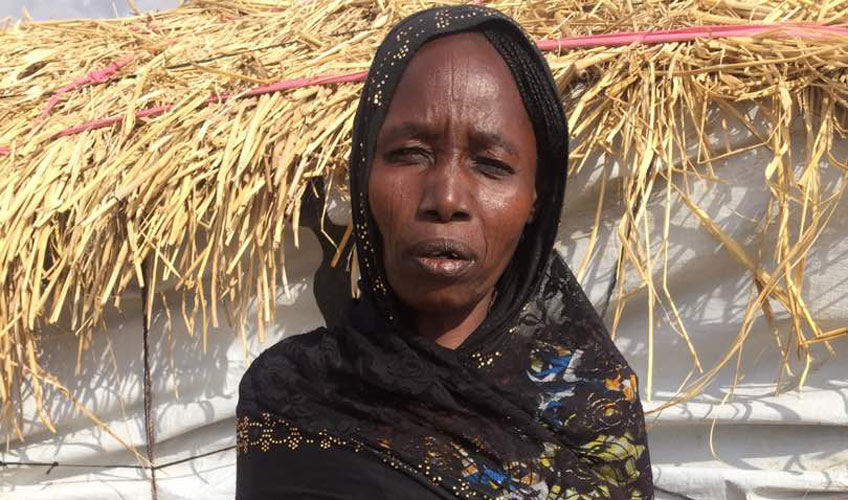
764,446
69,9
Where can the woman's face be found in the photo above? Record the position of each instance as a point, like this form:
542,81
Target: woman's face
452,183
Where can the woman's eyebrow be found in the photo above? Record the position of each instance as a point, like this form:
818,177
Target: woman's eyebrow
483,139
478,139
406,130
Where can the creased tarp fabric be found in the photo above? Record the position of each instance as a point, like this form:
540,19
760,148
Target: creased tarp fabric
536,402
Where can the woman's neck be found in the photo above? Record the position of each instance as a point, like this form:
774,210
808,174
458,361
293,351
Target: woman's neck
450,328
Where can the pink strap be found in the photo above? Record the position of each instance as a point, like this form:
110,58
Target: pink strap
96,76
774,30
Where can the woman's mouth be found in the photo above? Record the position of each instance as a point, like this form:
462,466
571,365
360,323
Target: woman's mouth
444,258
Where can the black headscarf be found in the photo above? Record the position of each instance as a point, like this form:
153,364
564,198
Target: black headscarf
537,401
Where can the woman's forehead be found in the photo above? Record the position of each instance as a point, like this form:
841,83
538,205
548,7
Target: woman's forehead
455,63
458,78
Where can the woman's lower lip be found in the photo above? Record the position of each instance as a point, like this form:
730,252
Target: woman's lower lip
443,267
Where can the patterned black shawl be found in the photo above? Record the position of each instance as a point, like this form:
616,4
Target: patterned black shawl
536,403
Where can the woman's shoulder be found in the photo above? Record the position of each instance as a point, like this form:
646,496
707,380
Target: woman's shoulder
277,369
291,344
287,347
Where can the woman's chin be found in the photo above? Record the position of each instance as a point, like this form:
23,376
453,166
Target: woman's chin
443,301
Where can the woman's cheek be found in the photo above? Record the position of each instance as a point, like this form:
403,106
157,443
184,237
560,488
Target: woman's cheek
390,200
506,215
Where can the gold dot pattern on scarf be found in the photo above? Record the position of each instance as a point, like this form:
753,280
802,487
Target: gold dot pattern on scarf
270,432
481,360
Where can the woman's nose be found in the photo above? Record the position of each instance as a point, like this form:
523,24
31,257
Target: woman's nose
445,194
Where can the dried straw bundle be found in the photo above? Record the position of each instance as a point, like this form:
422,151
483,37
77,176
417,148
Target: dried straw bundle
180,185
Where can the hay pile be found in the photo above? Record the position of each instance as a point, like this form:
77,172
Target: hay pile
195,175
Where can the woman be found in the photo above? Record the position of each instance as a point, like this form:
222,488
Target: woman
473,366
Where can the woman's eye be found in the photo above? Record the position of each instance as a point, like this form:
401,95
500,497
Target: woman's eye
494,168
407,155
